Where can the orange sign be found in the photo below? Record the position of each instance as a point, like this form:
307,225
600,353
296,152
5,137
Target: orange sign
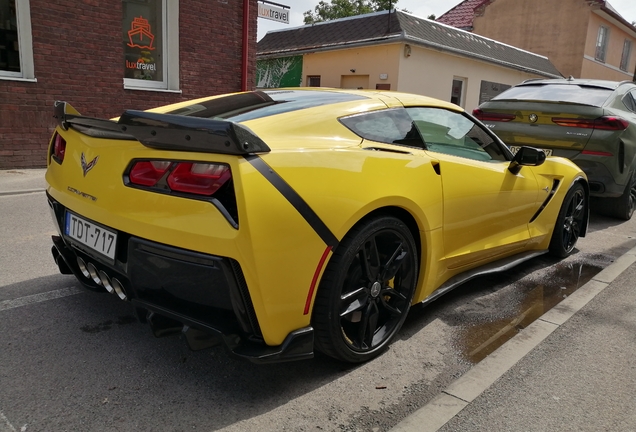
140,35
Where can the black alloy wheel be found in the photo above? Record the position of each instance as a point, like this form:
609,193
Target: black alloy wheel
366,291
569,223
623,206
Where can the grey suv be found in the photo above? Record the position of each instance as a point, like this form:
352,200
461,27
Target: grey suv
591,122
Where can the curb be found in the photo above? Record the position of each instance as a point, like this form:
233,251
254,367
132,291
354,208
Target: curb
473,383
21,192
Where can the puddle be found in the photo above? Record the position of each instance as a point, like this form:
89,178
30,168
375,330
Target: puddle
534,299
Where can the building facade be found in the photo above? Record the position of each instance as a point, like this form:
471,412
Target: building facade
107,56
396,51
583,38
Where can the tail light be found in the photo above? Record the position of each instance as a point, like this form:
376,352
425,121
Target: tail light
148,173
59,148
493,116
185,177
596,153
610,123
198,178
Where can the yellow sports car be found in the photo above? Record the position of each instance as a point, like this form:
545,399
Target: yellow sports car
283,221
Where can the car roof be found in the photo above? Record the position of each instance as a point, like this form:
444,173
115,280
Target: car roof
607,84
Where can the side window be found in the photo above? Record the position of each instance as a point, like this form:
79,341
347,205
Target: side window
452,133
392,126
630,101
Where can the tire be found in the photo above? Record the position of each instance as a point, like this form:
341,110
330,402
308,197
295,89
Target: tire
570,222
366,291
623,206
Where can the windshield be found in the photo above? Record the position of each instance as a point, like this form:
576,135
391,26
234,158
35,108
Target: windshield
570,93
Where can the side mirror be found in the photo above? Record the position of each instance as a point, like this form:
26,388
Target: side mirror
526,156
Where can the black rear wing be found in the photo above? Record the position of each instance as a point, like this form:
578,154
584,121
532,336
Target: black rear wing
166,131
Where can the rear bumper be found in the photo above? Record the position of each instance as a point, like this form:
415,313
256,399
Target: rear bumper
175,289
602,182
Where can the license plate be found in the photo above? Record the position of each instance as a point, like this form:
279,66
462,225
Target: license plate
91,235
515,149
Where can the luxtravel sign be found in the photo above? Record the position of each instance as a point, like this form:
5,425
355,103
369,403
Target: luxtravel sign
274,12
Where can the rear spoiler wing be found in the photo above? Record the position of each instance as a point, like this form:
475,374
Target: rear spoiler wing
166,131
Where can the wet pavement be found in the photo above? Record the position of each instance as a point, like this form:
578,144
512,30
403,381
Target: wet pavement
477,340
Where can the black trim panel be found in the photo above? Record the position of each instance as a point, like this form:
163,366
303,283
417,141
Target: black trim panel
294,199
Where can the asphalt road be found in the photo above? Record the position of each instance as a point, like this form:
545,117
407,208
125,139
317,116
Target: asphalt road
76,360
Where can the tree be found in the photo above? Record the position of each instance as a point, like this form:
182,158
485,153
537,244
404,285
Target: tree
431,17
335,9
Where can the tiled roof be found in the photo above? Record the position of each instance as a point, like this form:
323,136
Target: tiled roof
380,27
461,16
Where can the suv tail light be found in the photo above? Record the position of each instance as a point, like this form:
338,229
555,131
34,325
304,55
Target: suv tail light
493,116
185,177
611,123
59,148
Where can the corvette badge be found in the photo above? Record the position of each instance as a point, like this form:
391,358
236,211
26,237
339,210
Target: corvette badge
86,167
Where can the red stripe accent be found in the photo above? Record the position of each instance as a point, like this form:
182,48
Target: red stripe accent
310,295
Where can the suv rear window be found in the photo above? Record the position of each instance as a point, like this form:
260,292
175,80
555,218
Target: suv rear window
569,93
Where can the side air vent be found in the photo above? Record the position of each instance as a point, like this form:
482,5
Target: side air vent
555,186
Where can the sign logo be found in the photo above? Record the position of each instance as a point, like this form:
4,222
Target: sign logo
86,167
273,13
140,35
533,118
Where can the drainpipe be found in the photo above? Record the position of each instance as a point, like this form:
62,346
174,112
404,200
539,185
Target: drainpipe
246,34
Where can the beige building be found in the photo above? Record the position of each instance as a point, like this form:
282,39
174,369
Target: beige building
396,51
583,38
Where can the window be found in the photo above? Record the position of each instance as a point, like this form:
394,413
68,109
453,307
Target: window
601,43
627,51
313,80
457,91
16,46
630,101
452,133
578,94
435,129
391,126
489,90
151,58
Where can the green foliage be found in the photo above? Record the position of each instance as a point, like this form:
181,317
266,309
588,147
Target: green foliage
327,11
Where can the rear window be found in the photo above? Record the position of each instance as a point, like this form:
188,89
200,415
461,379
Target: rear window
570,93
248,106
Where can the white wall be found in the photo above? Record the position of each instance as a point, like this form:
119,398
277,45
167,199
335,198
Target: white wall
431,73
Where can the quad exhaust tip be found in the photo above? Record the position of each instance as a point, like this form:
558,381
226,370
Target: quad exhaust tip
101,278
92,270
105,280
119,289
82,266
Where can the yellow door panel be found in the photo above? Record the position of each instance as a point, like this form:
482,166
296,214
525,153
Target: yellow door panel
486,209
